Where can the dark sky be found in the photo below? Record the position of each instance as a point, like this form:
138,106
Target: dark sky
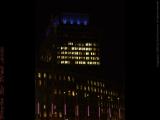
106,16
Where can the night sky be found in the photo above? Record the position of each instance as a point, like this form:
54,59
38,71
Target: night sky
108,17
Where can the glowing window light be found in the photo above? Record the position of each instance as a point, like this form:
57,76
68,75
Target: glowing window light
87,58
38,108
44,106
94,83
87,44
62,52
97,58
62,57
64,21
73,93
101,90
77,110
103,84
65,110
67,62
88,113
78,22
76,62
45,114
58,57
39,75
87,53
76,53
91,83
98,63
99,111
66,52
87,49
62,62
69,93
84,88
77,87
72,48
88,88
71,21
76,57
76,48
84,62
44,75
85,22
80,48
60,114
79,53
83,48
52,108
69,78
94,89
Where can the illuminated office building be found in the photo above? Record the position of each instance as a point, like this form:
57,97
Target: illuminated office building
67,80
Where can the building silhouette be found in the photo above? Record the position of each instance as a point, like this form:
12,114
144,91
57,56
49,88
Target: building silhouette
69,84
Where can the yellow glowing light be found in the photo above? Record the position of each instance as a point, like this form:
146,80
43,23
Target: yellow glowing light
44,106
39,75
44,75
77,87
70,43
88,88
72,48
73,93
45,114
58,57
87,53
60,114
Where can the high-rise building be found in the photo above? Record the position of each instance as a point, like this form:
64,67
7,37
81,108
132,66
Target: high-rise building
68,82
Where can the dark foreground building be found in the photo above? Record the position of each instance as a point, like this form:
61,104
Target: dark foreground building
69,82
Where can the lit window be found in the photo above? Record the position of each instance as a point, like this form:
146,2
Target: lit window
87,58
80,53
94,83
58,57
76,62
87,49
60,114
98,63
39,75
77,87
62,48
85,88
88,88
90,44
91,83
94,89
62,57
76,48
62,62
67,62
86,44
66,52
76,53
94,44
72,48
69,79
87,53
62,52
101,91
80,48
45,114
76,57
70,43
73,93
84,62
44,75
83,48
69,93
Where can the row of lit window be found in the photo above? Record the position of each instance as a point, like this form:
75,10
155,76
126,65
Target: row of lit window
78,57
67,77
80,62
76,53
96,83
88,62
82,44
69,93
94,89
79,48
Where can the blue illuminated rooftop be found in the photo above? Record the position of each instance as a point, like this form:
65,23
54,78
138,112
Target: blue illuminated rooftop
72,19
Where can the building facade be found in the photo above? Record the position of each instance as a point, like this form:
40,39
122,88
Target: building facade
68,80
